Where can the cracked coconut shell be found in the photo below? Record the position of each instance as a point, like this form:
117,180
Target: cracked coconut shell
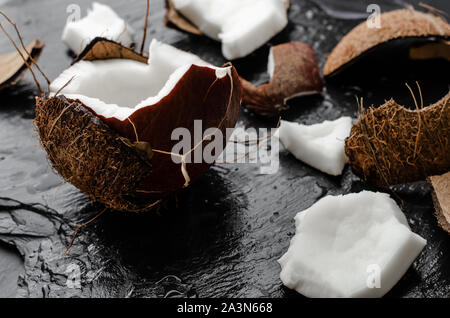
391,145
441,199
12,65
102,156
295,73
397,24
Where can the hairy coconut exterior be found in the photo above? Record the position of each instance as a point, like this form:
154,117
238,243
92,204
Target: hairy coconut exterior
176,19
12,65
296,72
441,199
392,145
155,124
395,24
88,154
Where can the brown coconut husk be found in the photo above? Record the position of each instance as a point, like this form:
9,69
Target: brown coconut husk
296,72
177,20
397,24
90,155
441,199
146,133
173,18
13,66
392,145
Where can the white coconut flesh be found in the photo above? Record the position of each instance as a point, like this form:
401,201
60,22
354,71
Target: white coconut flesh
321,146
118,87
241,25
101,21
355,245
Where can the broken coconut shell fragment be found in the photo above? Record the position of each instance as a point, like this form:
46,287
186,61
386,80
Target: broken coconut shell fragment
121,154
294,71
391,145
394,25
101,20
13,66
441,199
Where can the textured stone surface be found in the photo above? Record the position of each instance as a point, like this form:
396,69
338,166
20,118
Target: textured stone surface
223,235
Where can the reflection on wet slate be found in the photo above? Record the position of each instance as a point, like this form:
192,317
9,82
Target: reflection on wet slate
222,235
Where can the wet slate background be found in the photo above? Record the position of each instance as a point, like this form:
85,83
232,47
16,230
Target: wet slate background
222,235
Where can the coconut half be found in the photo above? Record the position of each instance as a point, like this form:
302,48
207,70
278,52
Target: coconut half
293,71
108,126
13,66
391,145
397,24
241,25
441,199
100,21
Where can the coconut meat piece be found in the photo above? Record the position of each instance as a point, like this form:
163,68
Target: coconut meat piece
354,245
101,21
320,145
241,25
118,87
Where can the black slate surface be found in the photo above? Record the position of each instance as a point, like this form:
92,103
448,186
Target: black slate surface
222,235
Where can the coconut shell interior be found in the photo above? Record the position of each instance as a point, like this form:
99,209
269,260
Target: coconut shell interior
392,145
296,72
397,24
176,19
441,199
12,65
